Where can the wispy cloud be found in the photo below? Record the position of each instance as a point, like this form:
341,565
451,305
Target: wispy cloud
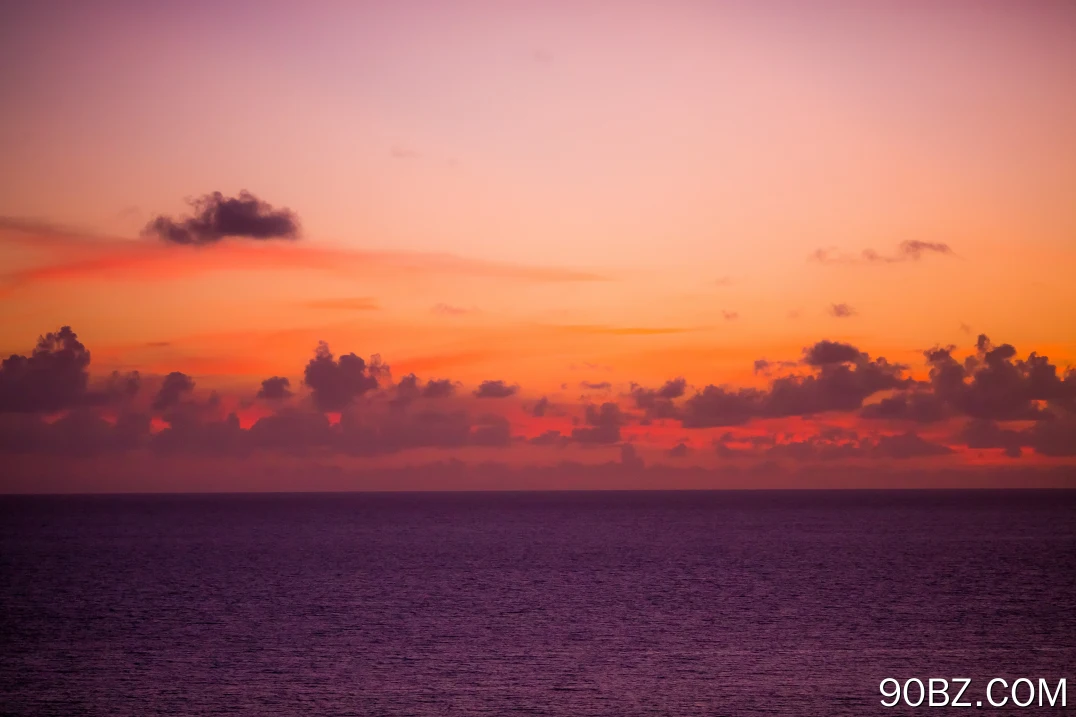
912,250
841,311
449,310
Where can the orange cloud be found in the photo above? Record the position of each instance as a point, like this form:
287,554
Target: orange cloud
77,257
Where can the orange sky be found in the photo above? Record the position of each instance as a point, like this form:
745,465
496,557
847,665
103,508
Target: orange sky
546,194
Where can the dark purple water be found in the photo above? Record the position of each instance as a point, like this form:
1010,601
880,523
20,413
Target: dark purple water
739,603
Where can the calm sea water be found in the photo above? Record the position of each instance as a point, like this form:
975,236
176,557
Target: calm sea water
689,603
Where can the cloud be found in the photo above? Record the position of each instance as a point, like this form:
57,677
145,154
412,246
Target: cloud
599,386
602,424
630,458
680,450
730,315
491,430
658,403
995,385
176,385
217,217
845,377
335,383
438,388
77,258
912,250
908,445
549,438
53,377
841,311
276,388
495,389
918,406
51,404
830,352
765,366
448,310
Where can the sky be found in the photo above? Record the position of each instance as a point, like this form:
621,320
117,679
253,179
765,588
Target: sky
512,244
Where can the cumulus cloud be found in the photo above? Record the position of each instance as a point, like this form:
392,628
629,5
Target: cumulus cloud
602,424
275,388
53,377
438,388
495,389
841,311
830,352
1006,402
845,378
176,385
336,383
658,402
216,217
995,385
917,406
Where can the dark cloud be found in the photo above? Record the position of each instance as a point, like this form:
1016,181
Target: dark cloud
117,388
765,366
995,385
409,388
491,430
1054,437
831,444
275,388
908,445
217,217
540,407
176,385
53,377
439,388
658,403
917,406
188,433
495,389
336,383
720,406
602,424
911,250
845,377
830,352
980,433
630,458
678,451
841,311
549,438
291,430
596,386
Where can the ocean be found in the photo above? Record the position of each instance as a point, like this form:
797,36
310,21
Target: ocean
597,603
